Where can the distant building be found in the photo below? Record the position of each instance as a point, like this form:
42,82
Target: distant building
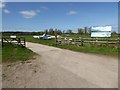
87,30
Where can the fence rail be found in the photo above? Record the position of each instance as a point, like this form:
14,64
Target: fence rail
90,41
15,41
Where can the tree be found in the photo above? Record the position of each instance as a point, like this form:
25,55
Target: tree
86,30
63,31
51,31
46,31
80,31
69,31
59,32
55,31
114,32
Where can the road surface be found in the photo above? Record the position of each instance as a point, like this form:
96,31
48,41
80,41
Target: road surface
60,68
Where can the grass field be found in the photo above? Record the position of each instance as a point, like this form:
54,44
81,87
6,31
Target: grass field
12,53
86,49
90,49
84,36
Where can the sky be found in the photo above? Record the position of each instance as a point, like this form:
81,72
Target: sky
38,16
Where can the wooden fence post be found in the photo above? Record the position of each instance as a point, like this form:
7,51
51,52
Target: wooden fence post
19,42
56,39
24,42
82,41
2,41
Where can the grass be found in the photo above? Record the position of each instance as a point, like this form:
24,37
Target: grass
86,49
90,49
76,36
49,42
104,50
85,36
12,53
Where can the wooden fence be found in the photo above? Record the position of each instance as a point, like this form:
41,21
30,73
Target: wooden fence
90,41
14,41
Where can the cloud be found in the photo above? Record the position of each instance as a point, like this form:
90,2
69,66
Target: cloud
6,11
2,4
72,12
29,14
43,7
38,11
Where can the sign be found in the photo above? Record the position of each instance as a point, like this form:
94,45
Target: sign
101,31
12,36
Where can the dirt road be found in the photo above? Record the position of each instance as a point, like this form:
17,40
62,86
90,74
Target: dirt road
59,68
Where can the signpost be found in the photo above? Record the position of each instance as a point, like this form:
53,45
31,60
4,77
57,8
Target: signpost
101,31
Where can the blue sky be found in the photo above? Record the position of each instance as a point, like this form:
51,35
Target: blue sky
38,16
